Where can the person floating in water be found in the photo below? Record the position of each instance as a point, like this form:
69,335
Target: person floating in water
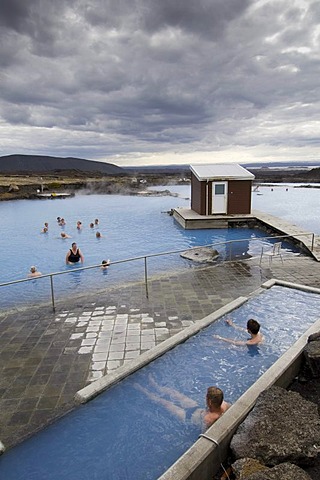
98,235
62,222
253,327
64,235
34,272
44,230
188,409
74,255
105,264
96,221
91,225
79,225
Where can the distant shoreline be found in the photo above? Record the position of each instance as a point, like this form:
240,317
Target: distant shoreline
18,187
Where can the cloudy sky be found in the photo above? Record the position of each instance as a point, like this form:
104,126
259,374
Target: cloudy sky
161,81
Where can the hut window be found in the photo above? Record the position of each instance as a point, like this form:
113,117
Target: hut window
219,189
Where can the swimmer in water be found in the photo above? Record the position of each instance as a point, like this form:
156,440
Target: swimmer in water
64,235
44,230
184,408
34,272
96,221
253,328
98,235
74,255
105,264
91,225
79,225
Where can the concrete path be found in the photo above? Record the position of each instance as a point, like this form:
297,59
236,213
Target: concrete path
46,358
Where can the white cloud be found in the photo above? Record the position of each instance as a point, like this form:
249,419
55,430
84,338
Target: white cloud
159,82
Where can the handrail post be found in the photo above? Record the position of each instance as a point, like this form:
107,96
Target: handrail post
312,242
52,293
146,276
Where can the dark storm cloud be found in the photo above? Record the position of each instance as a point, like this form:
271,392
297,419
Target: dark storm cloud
124,76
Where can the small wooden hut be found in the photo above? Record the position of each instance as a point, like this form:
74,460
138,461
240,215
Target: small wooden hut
220,189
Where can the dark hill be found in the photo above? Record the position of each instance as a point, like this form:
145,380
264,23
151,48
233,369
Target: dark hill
28,164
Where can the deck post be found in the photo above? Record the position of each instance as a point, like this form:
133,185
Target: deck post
146,276
52,293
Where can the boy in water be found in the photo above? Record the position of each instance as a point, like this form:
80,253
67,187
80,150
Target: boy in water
253,328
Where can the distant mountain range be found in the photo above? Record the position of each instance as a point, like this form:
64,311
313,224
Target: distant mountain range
38,164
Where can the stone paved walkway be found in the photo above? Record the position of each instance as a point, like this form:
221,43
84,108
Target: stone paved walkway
46,358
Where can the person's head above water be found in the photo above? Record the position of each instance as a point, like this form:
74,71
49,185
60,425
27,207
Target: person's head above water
214,396
253,326
33,269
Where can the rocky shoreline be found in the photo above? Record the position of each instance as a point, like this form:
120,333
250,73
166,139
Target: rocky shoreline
19,186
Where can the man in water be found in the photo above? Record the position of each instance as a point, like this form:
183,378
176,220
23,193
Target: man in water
74,255
34,272
105,264
253,328
188,409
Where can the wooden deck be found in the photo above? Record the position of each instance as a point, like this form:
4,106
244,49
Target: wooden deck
191,220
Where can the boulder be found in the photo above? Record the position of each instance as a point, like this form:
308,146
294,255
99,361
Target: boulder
201,254
250,469
13,188
245,467
313,337
282,427
312,357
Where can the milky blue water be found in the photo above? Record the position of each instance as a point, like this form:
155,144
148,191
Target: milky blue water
122,434
131,226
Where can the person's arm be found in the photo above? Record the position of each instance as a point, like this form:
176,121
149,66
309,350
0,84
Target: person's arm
67,257
232,324
230,340
81,256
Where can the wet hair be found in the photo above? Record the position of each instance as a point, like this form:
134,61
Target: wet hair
253,326
74,243
91,225
33,269
104,262
98,234
215,396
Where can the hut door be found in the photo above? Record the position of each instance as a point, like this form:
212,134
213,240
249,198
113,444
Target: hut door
219,197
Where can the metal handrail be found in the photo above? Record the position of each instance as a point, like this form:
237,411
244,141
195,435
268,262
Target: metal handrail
145,257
